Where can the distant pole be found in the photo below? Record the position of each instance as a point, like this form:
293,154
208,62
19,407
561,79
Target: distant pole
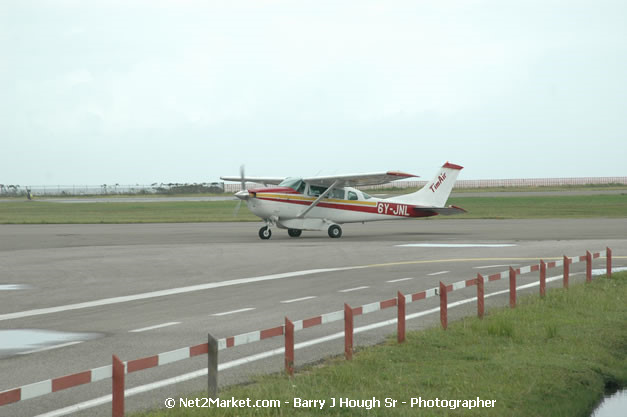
212,366
512,287
400,324
608,262
289,347
443,306
480,296
588,266
566,270
348,332
117,378
542,278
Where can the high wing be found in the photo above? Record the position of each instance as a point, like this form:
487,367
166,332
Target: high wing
258,180
357,180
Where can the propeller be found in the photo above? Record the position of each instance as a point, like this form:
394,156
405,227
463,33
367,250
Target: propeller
241,196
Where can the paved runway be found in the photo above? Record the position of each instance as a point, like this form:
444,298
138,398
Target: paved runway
151,288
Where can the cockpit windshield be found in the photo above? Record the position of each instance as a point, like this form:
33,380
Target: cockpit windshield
294,183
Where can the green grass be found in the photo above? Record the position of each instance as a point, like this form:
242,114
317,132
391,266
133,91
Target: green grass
548,357
38,211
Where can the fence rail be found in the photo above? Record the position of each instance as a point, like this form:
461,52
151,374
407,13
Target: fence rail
119,369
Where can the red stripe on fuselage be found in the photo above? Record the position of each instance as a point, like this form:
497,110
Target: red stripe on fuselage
413,211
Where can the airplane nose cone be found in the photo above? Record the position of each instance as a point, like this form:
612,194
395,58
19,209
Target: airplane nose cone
242,195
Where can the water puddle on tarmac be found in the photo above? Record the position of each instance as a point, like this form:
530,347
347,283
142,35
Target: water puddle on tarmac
612,406
14,287
25,341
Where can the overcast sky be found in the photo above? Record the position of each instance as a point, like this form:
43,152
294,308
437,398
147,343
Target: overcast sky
95,92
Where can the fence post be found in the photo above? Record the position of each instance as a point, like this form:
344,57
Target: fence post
443,306
212,366
289,347
542,278
608,262
480,294
117,377
566,271
400,322
588,266
348,332
512,287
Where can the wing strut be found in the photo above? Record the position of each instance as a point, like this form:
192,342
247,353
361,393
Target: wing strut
317,200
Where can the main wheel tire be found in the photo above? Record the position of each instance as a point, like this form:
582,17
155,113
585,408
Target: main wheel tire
335,231
265,233
294,232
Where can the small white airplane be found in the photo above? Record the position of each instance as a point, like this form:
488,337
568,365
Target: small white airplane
326,202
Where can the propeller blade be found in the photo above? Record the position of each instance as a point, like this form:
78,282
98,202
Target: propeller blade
242,177
236,211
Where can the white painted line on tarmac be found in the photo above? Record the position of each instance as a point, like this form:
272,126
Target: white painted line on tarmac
206,286
399,280
354,289
455,245
28,352
226,313
299,299
438,273
163,293
493,266
157,326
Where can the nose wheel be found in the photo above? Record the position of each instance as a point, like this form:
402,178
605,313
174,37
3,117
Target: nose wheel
265,233
294,232
335,231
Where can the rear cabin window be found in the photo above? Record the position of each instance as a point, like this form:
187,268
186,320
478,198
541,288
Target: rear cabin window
337,194
366,196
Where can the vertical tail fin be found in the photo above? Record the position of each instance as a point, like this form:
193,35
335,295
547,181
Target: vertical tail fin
435,192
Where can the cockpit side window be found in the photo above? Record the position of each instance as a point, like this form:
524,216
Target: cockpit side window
366,196
316,190
293,183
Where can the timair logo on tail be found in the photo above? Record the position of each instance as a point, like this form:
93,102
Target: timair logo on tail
441,179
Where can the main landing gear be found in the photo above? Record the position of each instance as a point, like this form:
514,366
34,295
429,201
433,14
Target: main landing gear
335,231
294,232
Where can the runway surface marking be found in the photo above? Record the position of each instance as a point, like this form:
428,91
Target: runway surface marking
279,351
241,310
354,289
455,245
494,266
240,281
399,280
438,273
299,299
157,326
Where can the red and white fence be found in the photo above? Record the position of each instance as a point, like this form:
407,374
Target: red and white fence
119,369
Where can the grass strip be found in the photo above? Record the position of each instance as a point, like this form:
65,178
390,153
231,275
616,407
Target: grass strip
532,207
548,357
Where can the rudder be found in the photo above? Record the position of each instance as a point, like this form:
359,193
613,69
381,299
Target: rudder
435,192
